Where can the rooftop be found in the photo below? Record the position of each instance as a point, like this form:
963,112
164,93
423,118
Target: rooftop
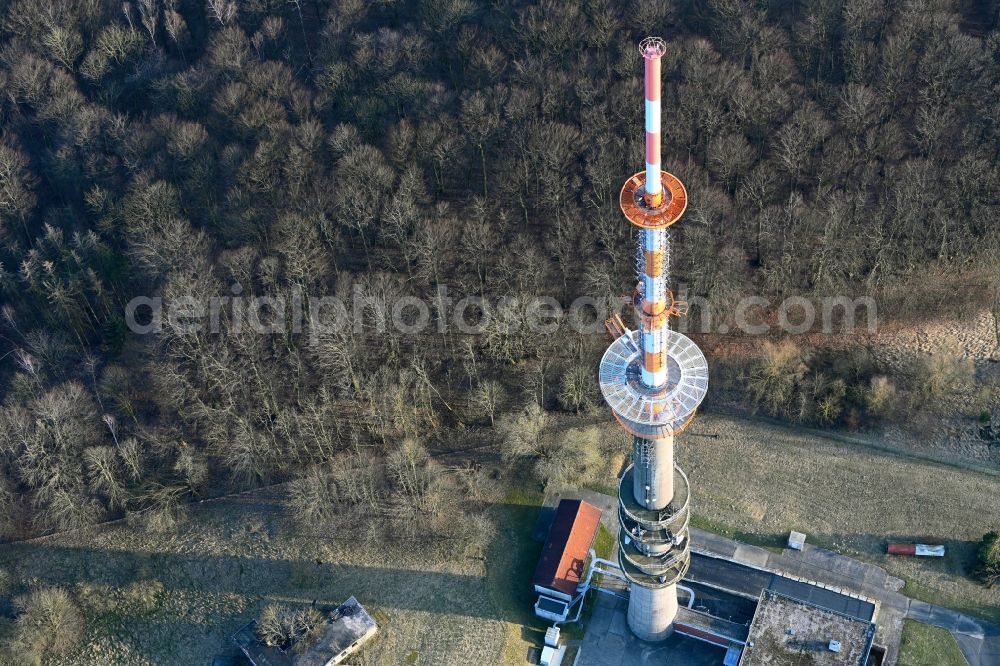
736,633
564,554
347,626
789,632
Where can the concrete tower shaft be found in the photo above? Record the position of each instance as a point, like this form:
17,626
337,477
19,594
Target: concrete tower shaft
653,379
653,479
651,612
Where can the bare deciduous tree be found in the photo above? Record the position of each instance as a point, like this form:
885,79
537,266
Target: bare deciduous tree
223,11
487,398
16,184
521,433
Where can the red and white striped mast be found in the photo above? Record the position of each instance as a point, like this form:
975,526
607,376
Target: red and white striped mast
654,240
652,51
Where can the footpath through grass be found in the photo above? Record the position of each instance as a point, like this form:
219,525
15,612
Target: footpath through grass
924,645
917,590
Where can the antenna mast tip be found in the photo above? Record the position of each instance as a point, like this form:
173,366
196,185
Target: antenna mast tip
652,47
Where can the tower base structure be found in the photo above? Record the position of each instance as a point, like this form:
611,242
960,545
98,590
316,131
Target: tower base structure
651,612
653,548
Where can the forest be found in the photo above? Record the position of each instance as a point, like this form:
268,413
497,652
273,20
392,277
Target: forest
207,148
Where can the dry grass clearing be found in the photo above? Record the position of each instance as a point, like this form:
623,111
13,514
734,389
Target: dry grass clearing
756,481
176,598
765,480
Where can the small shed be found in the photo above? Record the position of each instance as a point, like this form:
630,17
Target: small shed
347,628
796,540
552,656
561,565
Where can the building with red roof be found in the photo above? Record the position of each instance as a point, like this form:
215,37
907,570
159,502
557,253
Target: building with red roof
561,567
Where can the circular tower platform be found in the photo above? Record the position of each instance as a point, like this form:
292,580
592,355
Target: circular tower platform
647,412
633,201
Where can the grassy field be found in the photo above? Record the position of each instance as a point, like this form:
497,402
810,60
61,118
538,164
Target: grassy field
760,481
924,645
176,599
756,481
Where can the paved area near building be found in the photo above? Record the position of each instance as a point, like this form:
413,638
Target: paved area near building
723,573
979,640
608,642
